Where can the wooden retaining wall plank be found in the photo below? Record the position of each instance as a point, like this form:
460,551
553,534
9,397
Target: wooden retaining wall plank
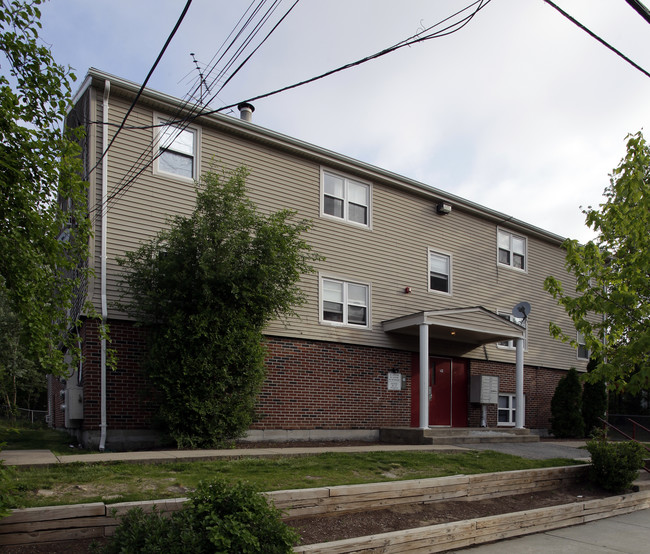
455,535
52,536
34,526
164,505
53,513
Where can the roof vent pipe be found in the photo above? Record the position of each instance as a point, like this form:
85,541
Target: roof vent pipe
246,111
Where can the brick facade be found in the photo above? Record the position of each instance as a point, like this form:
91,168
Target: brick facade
539,387
309,385
323,385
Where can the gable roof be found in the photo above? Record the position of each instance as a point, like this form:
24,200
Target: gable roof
472,325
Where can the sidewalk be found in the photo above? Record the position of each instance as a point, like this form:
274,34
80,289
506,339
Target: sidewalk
628,534
35,458
538,450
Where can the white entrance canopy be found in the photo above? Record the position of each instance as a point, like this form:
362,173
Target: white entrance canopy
468,325
474,325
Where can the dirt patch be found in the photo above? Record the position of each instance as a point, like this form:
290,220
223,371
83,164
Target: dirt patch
407,516
410,516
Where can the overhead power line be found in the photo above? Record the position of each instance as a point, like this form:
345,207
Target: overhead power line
144,84
196,111
594,35
640,8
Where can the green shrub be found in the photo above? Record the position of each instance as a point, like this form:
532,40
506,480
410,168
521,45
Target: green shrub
6,488
594,402
566,407
614,465
219,517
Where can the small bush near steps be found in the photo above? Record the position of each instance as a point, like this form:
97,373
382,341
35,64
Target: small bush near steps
219,517
614,465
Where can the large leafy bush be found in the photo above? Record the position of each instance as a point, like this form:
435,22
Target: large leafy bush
219,517
204,290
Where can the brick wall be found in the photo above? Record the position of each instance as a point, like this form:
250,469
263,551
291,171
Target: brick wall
132,403
321,385
309,385
539,386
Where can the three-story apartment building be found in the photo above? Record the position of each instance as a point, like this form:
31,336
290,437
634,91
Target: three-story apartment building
412,276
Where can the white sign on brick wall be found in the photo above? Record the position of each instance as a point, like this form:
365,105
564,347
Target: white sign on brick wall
394,381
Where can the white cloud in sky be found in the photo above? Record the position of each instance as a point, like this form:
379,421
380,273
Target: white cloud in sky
520,111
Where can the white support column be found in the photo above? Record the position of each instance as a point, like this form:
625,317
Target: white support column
520,416
424,376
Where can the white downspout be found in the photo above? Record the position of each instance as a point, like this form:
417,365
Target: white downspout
520,413
107,91
424,376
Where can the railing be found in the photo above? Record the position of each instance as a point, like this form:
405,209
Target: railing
628,437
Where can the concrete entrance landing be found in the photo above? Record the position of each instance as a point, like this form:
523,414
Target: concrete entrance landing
455,435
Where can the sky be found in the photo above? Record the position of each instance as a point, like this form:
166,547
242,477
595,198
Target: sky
520,110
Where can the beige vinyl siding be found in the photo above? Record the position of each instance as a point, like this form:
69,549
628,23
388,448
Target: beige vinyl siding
390,257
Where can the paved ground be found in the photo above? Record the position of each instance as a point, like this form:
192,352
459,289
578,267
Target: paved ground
629,534
532,450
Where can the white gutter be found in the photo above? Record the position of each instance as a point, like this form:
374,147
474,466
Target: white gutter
107,91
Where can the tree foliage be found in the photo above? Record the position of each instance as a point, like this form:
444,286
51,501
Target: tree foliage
204,290
612,305
566,407
44,228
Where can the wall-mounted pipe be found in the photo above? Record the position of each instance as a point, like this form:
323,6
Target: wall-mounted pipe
107,91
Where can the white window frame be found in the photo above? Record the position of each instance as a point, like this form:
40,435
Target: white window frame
160,124
510,344
435,252
511,251
346,303
510,410
345,198
580,341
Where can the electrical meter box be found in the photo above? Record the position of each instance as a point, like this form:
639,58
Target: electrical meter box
484,389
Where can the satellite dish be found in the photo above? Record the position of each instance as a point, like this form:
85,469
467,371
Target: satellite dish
521,310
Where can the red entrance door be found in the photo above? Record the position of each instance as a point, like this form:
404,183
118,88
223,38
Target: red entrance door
448,398
440,399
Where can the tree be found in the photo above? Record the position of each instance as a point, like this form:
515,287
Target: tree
612,306
44,225
594,402
204,290
566,407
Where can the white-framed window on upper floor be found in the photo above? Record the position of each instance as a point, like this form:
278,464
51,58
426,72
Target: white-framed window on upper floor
439,272
344,303
582,350
512,250
507,409
510,344
176,149
346,199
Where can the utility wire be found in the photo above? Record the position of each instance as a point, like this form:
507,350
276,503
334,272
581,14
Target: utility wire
414,39
144,84
641,9
180,124
594,35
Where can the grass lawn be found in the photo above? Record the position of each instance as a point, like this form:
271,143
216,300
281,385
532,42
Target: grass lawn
124,482
121,482
25,436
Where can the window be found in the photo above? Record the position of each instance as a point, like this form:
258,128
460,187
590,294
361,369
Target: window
346,199
507,409
176,149
520,321
583,351
344,303
439,272
512,249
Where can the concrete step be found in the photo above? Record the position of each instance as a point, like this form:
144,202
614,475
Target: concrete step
454,435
